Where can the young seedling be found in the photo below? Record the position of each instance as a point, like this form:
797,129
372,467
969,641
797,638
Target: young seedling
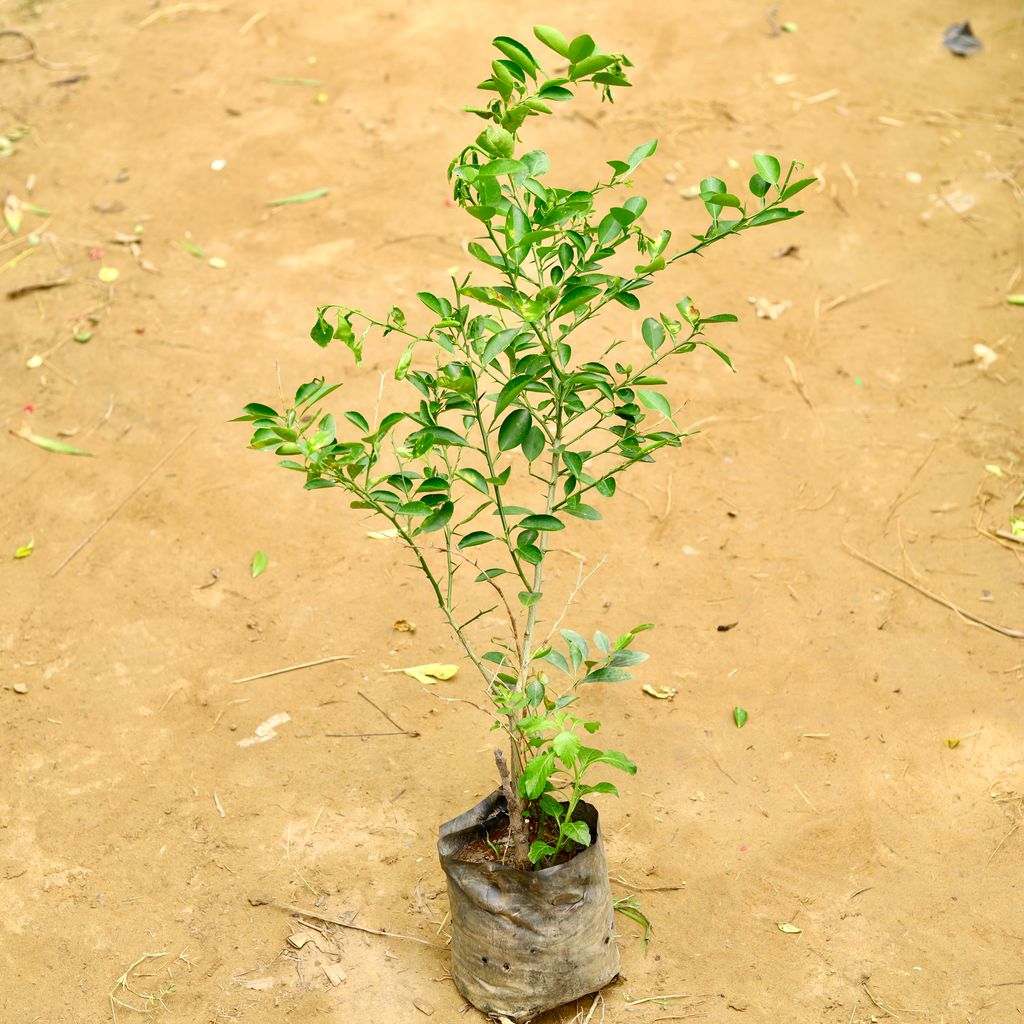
518,423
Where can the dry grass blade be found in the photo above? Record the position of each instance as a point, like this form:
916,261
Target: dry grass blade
169,12
1014,634
295,668
259,901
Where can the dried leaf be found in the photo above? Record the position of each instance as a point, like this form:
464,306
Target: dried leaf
49,444
660,692
995,470
953,742
259,563
427,675
403,626
984,357
789,929
13,214
335,975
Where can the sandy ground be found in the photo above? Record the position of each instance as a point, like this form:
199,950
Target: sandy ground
131,820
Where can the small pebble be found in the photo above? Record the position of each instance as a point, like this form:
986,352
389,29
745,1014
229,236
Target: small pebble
20,688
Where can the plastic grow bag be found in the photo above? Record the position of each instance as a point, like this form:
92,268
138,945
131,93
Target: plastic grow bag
527,941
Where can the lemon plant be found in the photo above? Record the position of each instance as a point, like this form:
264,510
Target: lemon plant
519,422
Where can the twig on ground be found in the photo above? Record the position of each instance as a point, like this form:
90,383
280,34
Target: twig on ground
32,53
884,1009
260,901
167,12
408,732
719,767
843,299
218,805
1006,535
124,501
294,668
647,888
1014,634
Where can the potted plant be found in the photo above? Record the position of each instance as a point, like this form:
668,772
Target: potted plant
520,425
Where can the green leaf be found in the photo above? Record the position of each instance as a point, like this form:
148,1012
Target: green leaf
653,333
626,659
259,563
515,51
514,429
588,65
721,355
501,167
574,640
255,410
439,519
589,756
415,508
566,746
489,574
510,392
758,186
558,660
607,675
577,831
601,787
301,197
475,539
474,479
739,716
533,443
640,154
656,401
528,598
540,522
724,199
442,435
772,216
498,343
551,807
25,550
322,332
553,39
539,850
581,47
358,419
582,511
536,774
720,318
796,186
574,298
49,444
768,167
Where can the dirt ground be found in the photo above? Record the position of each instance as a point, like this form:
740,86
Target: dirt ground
132,820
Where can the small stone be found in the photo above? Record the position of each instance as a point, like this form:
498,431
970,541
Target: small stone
20,688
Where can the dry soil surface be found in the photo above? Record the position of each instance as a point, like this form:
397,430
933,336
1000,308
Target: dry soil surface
874,796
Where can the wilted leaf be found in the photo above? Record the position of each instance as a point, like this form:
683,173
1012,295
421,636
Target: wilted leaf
49,444
259,563
427,675
660,692
739,717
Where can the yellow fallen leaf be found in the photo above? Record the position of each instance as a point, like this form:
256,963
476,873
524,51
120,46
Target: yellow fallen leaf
217,263
660,693
108,275
994,470
427,675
